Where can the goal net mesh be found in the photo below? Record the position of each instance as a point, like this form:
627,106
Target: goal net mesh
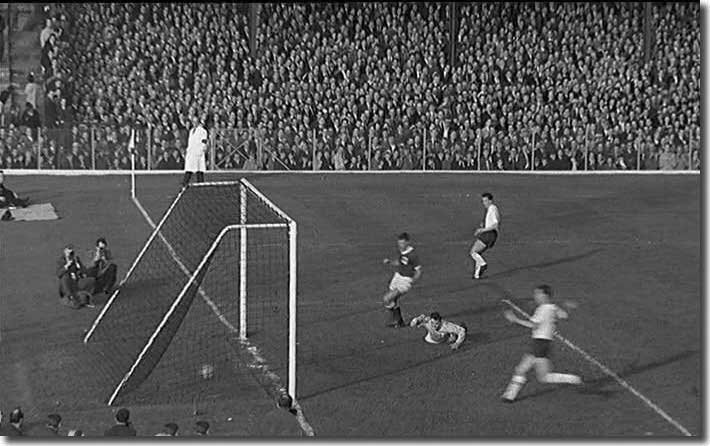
197,351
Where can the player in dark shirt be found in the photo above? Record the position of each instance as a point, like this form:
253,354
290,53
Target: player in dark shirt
408,270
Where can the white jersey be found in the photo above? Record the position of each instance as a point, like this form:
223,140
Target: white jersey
448,330
545,317
492,216
196,148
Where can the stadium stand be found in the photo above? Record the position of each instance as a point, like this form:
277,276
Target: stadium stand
345,86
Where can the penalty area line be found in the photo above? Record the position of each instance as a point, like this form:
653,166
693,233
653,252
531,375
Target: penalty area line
589,358
258,361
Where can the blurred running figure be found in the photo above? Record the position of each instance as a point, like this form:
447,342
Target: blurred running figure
408,270
486,235
543,329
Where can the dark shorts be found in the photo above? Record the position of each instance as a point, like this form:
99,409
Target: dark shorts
541,348
488,238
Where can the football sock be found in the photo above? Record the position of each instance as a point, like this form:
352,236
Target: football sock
389,316
397,316
516,383
200,177
562,378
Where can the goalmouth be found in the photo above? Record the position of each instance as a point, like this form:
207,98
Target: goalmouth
183,303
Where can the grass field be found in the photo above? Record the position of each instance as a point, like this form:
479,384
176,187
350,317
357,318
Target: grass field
626,248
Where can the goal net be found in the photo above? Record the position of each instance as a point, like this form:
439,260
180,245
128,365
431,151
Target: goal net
211,294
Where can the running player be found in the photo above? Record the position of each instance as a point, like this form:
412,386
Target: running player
486,235
542,324
408,270
440,331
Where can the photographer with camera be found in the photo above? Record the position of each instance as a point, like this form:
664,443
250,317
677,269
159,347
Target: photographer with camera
75,286
104,271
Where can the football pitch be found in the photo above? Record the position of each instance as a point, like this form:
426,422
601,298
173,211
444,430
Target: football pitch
627,249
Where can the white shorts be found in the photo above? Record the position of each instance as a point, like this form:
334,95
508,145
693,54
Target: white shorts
400,283
195,160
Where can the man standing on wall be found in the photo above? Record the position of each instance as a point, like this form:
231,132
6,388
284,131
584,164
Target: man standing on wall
196,149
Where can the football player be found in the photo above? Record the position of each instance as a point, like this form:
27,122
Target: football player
408,270
542,324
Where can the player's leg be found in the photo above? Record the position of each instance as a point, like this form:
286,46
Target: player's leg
186,178
200,177
477,249
518,380
543,368
393,312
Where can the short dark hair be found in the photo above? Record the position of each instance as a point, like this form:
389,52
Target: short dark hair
285,401
546,289
16,415
487,195
54,420
123,415
171,428
101,240
435,315
201,427
403,236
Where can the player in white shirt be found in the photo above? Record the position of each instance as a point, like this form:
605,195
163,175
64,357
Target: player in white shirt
542,324
195,153
486,235
440,331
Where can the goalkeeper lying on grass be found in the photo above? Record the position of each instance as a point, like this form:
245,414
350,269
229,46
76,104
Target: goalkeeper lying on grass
440,331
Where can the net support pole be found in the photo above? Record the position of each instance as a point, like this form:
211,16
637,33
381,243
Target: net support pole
292,273
133,175
424,151
532,155
243,263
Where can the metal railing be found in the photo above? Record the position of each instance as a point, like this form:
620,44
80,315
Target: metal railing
84,147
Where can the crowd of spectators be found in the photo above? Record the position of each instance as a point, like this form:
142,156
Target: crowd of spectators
280,421
15,426
372,86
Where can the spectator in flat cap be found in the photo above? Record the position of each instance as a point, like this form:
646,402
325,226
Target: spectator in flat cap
103,270
280,421
169,430
14,427
123,426
202,428
75,287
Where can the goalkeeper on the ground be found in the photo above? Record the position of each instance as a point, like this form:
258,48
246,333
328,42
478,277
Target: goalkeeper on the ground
440,331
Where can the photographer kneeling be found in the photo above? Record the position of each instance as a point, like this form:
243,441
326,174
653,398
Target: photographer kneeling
75,286
104,270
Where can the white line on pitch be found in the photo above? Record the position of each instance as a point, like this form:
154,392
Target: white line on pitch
611,373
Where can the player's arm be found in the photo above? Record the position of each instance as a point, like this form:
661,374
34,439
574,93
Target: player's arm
516,320
418,321
460,333
417,273
392,262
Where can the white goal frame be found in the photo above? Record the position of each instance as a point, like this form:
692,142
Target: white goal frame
243,228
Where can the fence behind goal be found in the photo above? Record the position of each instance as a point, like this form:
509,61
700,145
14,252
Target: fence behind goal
218,262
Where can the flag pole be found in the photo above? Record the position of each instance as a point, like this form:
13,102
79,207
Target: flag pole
132,151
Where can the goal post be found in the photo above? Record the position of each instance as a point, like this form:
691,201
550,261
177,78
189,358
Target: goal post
184,311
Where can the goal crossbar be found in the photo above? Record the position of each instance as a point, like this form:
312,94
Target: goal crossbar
191,281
